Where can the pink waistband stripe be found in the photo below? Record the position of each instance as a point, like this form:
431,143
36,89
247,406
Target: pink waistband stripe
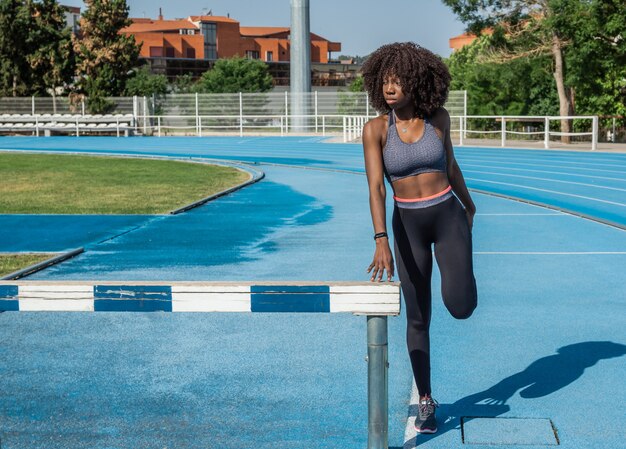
426,198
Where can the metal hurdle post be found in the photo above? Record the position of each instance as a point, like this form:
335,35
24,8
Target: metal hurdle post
375,300
377,383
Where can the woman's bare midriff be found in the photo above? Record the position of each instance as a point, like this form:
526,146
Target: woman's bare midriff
420,186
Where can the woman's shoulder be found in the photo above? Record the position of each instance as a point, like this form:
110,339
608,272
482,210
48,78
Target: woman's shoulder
377,125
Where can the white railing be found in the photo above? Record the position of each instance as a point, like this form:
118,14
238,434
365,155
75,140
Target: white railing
544,122
353,126
275,103
202,125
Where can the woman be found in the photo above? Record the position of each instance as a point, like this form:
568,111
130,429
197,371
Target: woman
410,145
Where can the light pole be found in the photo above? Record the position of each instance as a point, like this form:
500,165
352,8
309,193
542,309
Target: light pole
300,63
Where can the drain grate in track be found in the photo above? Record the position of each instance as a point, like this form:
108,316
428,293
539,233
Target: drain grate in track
508,431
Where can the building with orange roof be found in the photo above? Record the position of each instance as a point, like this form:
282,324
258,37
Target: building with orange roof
176,46
460,41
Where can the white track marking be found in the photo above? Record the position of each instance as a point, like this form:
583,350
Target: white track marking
549,191
551,253
544,163
504,214
577,175
507,157
548,179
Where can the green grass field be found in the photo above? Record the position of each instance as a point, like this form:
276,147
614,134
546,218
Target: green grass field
13,262
68,184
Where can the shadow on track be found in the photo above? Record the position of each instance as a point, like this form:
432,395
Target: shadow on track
539,379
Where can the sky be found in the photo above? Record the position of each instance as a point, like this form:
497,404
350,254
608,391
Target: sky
360,25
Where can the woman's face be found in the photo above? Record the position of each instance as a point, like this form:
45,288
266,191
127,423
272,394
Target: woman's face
393,94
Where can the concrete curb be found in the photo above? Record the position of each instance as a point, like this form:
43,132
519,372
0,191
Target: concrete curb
255,176
41,265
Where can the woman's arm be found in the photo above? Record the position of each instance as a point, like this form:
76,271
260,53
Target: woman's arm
372,150
455,176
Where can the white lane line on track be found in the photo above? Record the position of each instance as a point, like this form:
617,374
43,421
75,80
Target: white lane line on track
550,253
410,434
543,163
549,191
547,179
506,214
619,158
577,175
505,158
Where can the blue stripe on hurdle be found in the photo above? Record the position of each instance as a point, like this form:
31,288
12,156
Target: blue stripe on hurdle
9,298
289,298
132,298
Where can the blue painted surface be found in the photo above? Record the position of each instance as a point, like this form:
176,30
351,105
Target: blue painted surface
62,232
289,289
148,292
132,298
290,298
547,331
8,298
129,305
294,302
8,291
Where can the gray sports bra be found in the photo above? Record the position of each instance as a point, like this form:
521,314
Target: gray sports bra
402,159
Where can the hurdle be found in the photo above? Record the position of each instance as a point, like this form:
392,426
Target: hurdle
375,300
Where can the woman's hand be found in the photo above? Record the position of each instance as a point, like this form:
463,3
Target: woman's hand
383,260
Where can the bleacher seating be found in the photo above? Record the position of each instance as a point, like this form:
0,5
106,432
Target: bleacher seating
73,124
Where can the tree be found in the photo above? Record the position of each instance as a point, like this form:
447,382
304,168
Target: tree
526,28
183,84
598,64
15,24
234,75
146,84
52,57
521,86
104,56
357,85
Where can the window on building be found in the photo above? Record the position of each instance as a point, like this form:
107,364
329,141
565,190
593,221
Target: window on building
190,53
169,52
252,54
156,52
209,31
269,56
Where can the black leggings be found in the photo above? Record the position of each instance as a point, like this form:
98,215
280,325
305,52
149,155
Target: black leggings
444,224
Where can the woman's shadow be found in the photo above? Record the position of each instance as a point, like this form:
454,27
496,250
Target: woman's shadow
540,378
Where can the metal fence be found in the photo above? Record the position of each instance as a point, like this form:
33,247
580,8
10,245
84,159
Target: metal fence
202,114
59,105
503,129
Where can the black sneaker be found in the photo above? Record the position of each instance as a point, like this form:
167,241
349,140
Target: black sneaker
425,421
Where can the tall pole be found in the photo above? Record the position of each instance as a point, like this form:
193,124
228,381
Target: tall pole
300,62
377,381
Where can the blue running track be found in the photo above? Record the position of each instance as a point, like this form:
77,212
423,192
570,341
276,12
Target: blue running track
545,344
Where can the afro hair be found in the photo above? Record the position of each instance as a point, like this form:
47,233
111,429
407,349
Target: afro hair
422,74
